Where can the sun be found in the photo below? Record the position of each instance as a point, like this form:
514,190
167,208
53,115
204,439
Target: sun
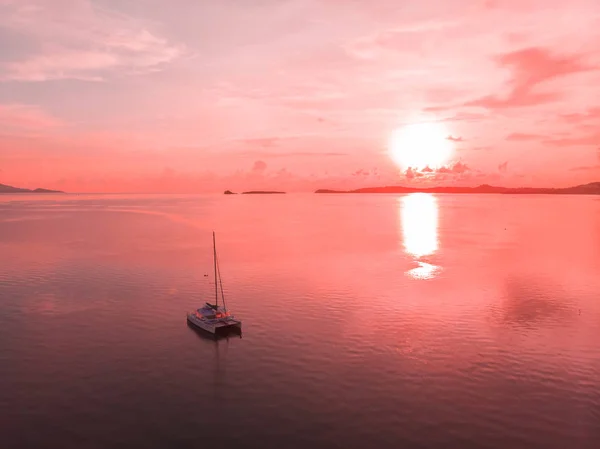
421,145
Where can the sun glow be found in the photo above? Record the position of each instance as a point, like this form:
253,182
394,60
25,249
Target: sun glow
421,145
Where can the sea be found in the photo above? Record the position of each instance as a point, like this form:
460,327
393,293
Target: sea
369,321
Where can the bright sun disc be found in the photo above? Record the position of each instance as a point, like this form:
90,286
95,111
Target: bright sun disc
420,145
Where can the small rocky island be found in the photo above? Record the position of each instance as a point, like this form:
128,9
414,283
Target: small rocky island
10,189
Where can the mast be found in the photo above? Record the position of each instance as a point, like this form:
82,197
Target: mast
215,262
221,284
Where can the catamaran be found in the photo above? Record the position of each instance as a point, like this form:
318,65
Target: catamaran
215,318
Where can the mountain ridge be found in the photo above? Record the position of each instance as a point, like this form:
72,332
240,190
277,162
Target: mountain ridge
592,188
10,189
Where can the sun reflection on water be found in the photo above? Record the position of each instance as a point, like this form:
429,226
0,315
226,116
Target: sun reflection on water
419,219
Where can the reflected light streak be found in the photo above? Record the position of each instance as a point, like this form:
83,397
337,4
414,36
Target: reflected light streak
424,271
419,219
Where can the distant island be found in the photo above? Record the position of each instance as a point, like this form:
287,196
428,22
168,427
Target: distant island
592,188
253,192
10,189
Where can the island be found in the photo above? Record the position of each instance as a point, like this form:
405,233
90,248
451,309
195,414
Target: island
229,192
592,188
10,189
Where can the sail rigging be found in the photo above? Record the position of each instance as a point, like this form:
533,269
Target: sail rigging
221,284
218,280
215,263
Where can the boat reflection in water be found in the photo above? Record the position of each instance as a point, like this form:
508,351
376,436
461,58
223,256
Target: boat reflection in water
219,344
419,222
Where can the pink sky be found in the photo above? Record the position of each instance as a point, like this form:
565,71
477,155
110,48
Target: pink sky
194,96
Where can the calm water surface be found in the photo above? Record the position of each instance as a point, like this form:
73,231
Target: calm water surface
369,321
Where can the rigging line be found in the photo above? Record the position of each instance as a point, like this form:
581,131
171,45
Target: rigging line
221,283
215,262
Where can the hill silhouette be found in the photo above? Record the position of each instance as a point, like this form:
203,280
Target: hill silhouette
10,189
592,188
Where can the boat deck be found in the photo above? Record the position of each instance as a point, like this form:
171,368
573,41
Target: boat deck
215,325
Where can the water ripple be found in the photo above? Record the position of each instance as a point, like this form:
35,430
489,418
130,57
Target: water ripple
496,347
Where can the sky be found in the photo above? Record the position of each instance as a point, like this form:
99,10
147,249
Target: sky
200,96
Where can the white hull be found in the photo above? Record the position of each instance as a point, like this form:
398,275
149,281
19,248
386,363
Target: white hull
215,325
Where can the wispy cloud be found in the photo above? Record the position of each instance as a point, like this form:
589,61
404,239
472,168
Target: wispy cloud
579,117
23,117
460,116
584,140
517,137
400,38
263,142
587,168
293,154
531,67
78,40
277,147
259,167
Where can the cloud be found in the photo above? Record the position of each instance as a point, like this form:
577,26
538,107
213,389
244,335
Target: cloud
292,154
455,139
481,148
78,40
586,168
259,167
590,168
312,154
264,142
412,173
462,116
522,137
282,147
458,168
400,38
23,117
577,118
583,140
530,68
